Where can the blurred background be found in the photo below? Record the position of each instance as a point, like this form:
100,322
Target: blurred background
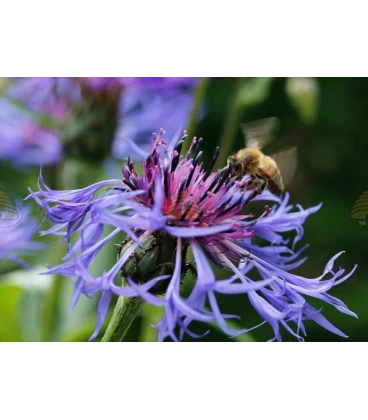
81,129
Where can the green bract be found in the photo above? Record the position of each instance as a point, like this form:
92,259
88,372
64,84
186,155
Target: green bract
157,258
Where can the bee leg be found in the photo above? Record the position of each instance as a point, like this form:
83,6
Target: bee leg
262,184
254,182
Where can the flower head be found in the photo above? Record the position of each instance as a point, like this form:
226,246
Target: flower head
174,205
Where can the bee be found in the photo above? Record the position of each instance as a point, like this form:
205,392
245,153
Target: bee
259,166
360,209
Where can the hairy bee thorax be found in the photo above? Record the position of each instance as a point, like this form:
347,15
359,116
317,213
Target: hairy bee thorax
157,258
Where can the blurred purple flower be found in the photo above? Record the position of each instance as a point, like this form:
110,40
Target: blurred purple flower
146,102
16,238
156,83
46,95
142,101
99,83
23,141
174,205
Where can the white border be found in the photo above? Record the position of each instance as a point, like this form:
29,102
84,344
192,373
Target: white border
185,381
194,38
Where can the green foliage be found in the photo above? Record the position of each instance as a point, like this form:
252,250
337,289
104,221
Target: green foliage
254,91
21,296
303,93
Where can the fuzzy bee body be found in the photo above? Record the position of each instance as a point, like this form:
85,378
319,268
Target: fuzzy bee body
253,162
263,169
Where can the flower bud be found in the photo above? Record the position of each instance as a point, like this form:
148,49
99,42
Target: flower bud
157,258
90,129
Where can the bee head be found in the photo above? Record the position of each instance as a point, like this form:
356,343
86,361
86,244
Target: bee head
236,167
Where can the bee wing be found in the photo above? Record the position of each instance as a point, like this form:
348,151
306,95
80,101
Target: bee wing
287,162
259,133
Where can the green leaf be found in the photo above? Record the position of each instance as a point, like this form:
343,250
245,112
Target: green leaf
22,299
21,296
151,315
79,324
254,91
303,93
9,317
30,314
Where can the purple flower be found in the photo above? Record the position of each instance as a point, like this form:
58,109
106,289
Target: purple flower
145,102
176,204
100,83
157,83
47,95
23,141
16,234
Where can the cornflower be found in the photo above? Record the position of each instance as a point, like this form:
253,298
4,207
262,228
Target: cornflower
174,205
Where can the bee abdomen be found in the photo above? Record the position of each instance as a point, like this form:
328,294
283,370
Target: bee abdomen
276,188
271,172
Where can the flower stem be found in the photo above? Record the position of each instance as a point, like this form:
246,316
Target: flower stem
51,311
231,125
124,313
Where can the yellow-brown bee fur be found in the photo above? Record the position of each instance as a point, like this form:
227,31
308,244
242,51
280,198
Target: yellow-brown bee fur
253,162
